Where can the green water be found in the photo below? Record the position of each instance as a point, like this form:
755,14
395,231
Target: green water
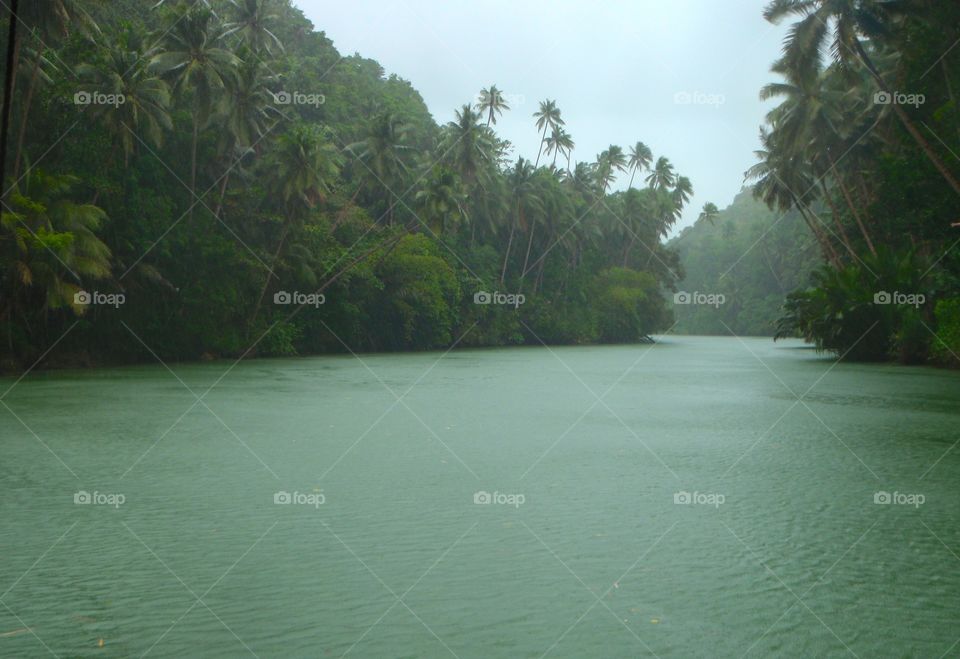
586,554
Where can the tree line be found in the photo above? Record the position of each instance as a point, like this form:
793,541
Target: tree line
209,178
863,148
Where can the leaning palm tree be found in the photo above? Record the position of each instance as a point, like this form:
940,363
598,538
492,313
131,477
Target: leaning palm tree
640,158
662,175
548,116
852,22
192,55
492,103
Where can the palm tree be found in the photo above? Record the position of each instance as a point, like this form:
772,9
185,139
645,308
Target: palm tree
123,71
709,213
50,244
524,202
442,201
192,56
244,113
565,145
662,175
299,173
680,194
640,158
810,125
850,19
251,22
548,116
468,145
384,153
492,103
49,21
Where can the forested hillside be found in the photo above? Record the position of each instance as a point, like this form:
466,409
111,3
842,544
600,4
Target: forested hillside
751,256
206,179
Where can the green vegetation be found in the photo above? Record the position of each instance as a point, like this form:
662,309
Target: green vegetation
859,148
750,255
213,178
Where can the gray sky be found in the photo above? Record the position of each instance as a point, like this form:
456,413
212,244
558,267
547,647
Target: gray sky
680,75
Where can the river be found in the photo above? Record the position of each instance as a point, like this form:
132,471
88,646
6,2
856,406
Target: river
701,497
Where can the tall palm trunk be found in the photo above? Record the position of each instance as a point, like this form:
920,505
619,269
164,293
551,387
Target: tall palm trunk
25,112
13,52
837,220
526,258
193,161
906,121
849,199
506,256
273,266
542,139
825,246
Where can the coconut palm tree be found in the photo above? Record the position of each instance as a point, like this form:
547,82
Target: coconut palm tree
548,116
384,152
709,213
299,173
848,23
192,56
662,175
50,244
524,204
492,103
251,21
640,159
122,70
441,200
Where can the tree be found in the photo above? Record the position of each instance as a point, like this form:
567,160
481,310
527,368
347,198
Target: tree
850,19
640,158
492,103
709,213
548,116
383,152
299,173
193,57
662,175
121,70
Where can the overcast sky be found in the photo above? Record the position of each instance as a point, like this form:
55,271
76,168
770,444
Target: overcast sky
680,75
